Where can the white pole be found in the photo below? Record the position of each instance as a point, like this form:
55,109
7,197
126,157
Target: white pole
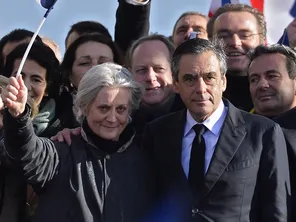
29,48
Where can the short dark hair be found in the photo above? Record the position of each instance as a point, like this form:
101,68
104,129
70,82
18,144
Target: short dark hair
187,14
288,52
88,27
69,56
15,35
196,47
239,8
152,37
45,57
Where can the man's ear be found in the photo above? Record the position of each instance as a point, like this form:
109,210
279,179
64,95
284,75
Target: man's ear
224,82
176,86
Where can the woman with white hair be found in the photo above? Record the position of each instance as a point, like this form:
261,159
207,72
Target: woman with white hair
103,175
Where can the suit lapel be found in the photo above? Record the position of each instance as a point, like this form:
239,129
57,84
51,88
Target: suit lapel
232,134
173,153
176,130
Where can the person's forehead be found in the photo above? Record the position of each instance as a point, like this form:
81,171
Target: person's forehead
31,67
267,62
71,38
192,19
204,62
10,46
93,50
235,20
151,48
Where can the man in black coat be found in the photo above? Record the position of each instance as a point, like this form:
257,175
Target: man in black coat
236,169
287,122
272,76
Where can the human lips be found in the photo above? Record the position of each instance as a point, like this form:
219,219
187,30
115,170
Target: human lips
110,127
152,88
200,100
265,96
234,54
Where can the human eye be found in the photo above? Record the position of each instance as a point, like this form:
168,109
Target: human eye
254,79
223,35
273,75
84,63
103,108
159,69
181,30
121,109
141,70
37,80
210,78
189,79
245,35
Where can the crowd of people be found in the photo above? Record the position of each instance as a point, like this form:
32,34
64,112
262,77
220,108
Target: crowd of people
193,127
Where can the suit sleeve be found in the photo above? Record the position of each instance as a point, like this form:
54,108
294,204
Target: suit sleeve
38,157
275,191
132,22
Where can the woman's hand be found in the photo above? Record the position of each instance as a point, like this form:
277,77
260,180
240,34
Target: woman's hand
15,96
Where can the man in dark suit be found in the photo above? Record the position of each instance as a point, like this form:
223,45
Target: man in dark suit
236,169
287,122
272,76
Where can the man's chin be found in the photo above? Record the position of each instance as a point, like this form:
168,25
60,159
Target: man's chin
237,68
153,101
236,71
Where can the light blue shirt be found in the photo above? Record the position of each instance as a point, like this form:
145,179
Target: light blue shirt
214,125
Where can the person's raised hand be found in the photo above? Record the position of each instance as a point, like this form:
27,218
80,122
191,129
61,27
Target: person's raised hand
15,95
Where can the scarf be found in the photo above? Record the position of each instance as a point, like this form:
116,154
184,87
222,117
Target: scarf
44,117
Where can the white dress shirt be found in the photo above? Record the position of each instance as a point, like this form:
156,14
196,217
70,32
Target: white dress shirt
214,125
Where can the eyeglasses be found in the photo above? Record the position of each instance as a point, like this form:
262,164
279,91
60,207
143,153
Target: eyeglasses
243,35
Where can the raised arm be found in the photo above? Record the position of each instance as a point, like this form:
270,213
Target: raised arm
132,22
38,156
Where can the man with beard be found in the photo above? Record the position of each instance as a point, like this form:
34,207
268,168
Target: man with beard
242,28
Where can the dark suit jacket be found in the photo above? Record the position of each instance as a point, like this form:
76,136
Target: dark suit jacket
247,180
288,123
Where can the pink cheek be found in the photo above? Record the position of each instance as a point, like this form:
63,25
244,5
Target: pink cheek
140,78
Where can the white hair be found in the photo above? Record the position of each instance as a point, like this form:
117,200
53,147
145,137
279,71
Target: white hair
105,75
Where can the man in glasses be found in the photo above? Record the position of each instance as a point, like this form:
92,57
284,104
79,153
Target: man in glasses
242,28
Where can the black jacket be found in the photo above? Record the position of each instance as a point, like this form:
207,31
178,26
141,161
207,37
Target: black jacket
288,123
81,182
132,22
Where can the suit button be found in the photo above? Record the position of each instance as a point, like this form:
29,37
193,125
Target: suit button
194,211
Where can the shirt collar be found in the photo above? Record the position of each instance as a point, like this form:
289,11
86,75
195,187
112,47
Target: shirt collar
209,122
